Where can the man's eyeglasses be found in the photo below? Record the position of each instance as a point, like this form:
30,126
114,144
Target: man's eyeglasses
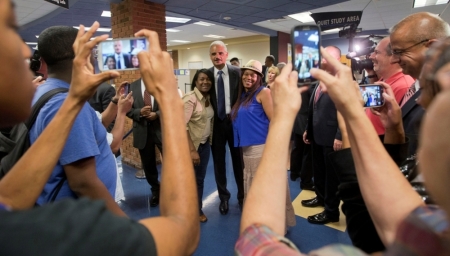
402,51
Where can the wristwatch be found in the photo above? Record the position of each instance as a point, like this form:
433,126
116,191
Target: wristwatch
115,101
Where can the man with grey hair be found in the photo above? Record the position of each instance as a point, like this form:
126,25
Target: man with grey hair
269,62
386,71
223,96
410,39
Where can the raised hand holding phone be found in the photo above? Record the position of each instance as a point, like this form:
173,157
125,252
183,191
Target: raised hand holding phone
305,50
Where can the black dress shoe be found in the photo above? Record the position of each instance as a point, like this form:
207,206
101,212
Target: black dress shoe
312,202
154,201
307,186
223,207
322,218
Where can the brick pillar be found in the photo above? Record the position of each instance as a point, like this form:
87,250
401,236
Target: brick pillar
127,18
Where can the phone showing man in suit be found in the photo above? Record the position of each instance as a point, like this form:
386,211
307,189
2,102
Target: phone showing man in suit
306,45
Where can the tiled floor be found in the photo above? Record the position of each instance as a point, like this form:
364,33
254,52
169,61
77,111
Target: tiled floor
220,233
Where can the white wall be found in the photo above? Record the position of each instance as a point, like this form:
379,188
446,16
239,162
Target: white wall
246,52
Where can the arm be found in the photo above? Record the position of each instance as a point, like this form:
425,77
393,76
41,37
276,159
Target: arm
263,204
125,104
188,110
265,98
176,231
23,184
111,111
83,180
380,181
107,96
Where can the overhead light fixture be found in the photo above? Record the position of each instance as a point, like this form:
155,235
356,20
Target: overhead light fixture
98,29
214,36
303,17
37,36
334,30
201,23
188,48
227,18
106,14
172,30
423,3
180,41
176,20
31,43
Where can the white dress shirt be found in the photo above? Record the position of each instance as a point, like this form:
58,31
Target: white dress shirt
226,83
143,90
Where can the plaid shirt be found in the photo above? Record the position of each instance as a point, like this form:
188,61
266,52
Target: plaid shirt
419,235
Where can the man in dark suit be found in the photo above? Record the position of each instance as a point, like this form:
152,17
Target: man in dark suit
324,135
268,62
102,98
122,59
146,134
223,96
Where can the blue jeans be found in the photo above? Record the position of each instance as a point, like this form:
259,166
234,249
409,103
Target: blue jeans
200,171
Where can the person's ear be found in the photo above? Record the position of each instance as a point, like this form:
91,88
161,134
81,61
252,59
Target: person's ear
430,42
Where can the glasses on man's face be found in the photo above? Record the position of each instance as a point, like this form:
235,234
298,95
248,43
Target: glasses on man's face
402,51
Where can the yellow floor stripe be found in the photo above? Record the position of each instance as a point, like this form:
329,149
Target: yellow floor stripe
304,212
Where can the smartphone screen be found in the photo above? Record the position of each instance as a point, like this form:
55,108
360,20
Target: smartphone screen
372,95
126,89
120,54
305,47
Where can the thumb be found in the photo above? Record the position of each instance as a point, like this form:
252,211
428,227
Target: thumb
388,99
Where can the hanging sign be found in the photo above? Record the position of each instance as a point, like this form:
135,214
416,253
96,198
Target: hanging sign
60,3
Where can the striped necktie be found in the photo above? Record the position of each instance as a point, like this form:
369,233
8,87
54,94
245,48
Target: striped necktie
408,94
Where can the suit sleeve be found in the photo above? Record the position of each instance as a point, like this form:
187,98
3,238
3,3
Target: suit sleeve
338,135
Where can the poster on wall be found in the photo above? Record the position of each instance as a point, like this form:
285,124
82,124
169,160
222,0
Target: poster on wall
60,3
289,53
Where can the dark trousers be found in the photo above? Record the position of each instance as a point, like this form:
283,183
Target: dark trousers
325,179
148,160
301,160
200,170
223,133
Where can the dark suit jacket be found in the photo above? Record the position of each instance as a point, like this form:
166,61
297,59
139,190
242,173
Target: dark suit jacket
101,99
412,114
301,119
234,76
322,126
264,68
140,123
126,58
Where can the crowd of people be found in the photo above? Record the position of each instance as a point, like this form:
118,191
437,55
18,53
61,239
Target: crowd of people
71,153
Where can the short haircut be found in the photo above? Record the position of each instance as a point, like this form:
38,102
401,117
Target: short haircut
337,48
206,72
271,57
55,44
234,59
220,43
388,47
434,28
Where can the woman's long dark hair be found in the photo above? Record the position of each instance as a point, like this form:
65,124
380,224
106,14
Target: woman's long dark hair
205,71
109,57
245,99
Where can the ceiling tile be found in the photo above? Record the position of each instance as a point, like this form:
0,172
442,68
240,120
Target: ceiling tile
268,4
219,6
246,10
202,14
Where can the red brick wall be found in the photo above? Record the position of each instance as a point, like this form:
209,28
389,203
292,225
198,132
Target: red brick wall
127,18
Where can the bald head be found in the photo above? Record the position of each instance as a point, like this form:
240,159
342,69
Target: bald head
334,51
422,26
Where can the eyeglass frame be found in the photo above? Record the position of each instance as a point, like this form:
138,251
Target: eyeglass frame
402,51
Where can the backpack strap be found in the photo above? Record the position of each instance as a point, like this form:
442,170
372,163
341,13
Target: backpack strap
40,103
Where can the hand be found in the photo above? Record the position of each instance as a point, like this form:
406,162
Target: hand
152,116
390,113
145,111
38,81
285,93
195,157
125,103
337,145
347,103
120,90
84,81
156,69
305,139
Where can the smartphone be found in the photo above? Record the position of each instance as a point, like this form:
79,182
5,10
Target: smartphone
372,95
306,51
120,54
126,89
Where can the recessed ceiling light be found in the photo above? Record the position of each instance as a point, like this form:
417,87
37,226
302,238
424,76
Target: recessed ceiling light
37,36
227,18
98,29
180,41
303,17
214,36
176,20
423,3
31,43
201,23
172,30
106,14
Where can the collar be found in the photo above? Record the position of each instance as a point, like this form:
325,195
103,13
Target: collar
393,78
199,94
224,70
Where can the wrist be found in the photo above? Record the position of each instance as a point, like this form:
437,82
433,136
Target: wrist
115,100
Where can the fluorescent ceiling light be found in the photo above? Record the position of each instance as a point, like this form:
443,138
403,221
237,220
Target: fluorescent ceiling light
180,41
37,36
31,43
423,3
98,29
177,20
303,17
334,30
106,14
214,36
172,30
201,23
